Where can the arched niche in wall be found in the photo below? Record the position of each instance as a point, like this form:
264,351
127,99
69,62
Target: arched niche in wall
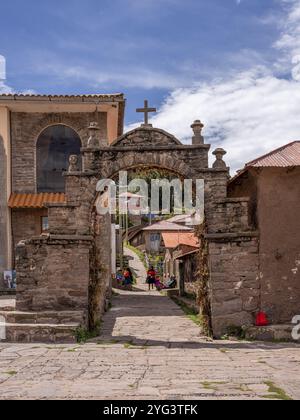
54,146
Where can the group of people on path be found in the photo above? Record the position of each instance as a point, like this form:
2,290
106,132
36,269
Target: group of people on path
154,281
126,279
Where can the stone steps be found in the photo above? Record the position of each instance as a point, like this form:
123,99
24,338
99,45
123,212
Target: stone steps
40,333
46,317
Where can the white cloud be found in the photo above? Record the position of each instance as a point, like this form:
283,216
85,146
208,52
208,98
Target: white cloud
249,113
3,87
132,77
289,42
2,68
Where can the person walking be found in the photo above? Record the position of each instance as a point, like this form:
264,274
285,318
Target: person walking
151,277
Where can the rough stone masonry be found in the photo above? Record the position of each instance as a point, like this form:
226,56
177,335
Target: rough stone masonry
69,270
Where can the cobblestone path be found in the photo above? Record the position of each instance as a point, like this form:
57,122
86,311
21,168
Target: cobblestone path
149,350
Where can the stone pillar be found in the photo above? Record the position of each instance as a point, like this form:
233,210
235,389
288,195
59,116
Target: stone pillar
219,163
91,152
197,127
234,280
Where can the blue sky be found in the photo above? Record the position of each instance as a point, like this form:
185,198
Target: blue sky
173,52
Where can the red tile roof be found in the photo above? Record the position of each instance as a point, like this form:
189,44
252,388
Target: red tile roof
164,226
173,239
35,201
81,98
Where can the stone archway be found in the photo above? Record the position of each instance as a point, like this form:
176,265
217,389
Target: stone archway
57,272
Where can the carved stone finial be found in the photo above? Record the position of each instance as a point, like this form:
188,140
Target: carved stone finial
219,163
93,140
73,163
197,127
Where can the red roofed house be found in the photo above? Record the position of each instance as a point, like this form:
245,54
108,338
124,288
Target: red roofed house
153,234
272,183
180,258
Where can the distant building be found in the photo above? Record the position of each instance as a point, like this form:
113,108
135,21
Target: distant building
153,235
180,258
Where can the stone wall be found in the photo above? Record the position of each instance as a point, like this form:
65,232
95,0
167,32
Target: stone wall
26,223
100,286
69,220
229,215
25,129
53,274
62,219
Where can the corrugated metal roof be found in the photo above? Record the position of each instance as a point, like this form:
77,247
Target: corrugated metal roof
287,156
284,157
166,226
35,201
173,239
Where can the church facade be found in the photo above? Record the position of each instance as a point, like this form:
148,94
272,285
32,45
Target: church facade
37,136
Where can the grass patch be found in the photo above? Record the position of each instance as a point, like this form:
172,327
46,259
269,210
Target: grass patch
190,312
82,335
276,393
72,350
132,345
11,373
234,332
107,342
127,345
55,348
212,386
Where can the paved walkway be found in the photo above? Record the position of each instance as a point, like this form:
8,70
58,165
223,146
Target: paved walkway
149,350
138,268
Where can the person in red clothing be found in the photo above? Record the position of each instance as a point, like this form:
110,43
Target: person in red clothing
128,278
151,277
